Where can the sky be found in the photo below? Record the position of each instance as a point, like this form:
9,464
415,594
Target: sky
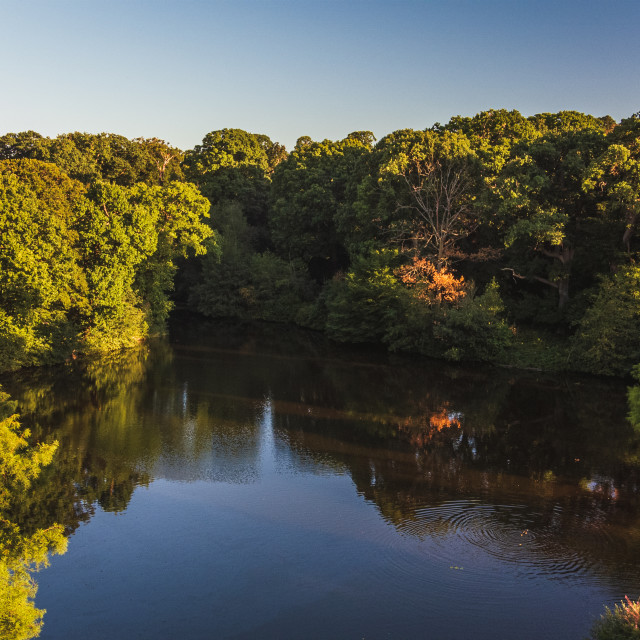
288,68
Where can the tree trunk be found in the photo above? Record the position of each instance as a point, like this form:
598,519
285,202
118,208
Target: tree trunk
563,293
565,256
632,220
440,263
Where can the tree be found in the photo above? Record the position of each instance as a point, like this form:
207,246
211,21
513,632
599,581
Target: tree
615,176
116,237
104,156
87,269
364,304
179,212
492,135
165,158
234,165
26,144
131,238
43,289
310,189
607,340
541,211
421,195
222,285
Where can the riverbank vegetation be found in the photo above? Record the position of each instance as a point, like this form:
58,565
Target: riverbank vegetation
496,237
619,623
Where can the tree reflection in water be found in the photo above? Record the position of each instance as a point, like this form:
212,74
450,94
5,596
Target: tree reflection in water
23,549
533,469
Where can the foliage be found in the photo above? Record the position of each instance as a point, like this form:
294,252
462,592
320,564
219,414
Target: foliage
619,623
372,241
432,176
474,329
278,288
221,288
430,283
361,305
616,175
232,165
533,348
239,282
633,399
178,211
607,340
42,287
87,269
310,189
104,156
552,229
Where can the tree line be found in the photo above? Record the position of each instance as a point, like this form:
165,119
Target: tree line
495,237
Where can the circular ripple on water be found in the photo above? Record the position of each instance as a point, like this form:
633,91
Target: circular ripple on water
551,545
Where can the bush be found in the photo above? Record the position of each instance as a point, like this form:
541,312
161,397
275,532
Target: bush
474,329
278,288
621,623
608,337
362,305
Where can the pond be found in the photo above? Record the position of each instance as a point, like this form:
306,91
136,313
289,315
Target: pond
261,482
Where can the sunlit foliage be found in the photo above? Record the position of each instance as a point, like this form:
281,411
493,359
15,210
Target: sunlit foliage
86,269
620,623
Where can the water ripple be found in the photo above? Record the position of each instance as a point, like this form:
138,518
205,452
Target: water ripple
553,544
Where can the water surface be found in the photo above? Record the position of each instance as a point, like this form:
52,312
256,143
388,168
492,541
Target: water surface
263,483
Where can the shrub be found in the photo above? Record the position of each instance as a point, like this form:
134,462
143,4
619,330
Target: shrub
619,623
362,305
278,288
474,328
608,337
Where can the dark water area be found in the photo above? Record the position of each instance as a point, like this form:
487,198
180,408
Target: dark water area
260,482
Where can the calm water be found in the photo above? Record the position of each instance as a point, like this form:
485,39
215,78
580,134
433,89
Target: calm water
262,483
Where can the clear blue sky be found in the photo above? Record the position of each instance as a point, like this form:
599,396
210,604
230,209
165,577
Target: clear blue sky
177,70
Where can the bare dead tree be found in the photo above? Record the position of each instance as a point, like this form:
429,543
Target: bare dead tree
439,207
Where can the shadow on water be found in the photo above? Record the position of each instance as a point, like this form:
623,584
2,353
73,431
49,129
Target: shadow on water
536,470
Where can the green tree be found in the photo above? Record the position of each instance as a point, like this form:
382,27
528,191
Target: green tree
362,305
310,188
42,287
433,177
607,340
116,236
104,156
26,144
87,269
179,212
222,287
475,329
232,165
553,231
615,177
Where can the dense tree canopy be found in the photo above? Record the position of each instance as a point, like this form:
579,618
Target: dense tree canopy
310,188
87,266
105,156
478,239
530,213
